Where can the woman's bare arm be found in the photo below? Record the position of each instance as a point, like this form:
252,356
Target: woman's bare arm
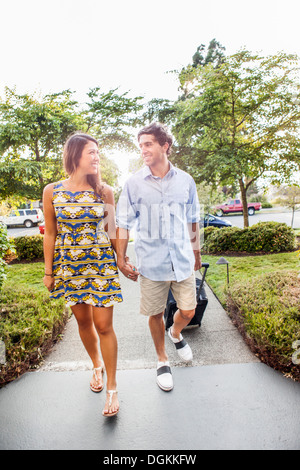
49,235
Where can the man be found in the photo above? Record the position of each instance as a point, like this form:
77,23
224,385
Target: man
162,202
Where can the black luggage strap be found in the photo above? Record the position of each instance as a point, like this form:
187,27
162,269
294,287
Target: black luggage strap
164,370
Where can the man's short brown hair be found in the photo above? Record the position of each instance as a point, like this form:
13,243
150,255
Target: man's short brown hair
160,132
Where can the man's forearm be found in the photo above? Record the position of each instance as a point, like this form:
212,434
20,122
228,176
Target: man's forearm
121,244
194,236
195,242
123,261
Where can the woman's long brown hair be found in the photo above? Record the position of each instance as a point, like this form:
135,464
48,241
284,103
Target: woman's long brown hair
72,153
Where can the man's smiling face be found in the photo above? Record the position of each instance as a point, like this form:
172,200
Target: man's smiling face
152,152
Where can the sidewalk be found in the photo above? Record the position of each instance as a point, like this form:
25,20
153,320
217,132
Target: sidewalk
226,399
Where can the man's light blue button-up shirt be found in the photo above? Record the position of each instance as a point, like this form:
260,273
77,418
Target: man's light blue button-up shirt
160,209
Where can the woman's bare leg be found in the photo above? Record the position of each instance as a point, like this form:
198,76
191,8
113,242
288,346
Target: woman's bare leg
89,337
103,321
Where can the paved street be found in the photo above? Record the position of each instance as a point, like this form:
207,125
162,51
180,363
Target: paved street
265,215
20,231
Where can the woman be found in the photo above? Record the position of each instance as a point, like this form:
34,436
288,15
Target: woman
79,256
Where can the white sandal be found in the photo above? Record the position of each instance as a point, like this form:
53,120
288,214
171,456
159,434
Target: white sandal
110,393
97,390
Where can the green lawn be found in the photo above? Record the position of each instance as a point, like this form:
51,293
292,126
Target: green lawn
27,274
245,268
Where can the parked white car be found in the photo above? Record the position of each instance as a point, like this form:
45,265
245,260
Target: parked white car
27,217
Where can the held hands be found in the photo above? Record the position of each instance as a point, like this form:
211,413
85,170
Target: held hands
128,269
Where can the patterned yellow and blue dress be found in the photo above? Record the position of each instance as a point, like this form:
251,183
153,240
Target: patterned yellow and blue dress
84,265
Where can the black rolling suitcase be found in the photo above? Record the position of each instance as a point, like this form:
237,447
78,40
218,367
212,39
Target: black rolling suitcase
202,301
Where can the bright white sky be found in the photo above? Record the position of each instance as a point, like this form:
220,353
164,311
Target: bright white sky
131,44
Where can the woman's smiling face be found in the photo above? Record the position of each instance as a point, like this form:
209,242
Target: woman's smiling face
89,161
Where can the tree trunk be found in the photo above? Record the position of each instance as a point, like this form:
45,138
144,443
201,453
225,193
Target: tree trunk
244,202
293,214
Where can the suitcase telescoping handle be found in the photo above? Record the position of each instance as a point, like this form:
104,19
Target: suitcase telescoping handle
205,266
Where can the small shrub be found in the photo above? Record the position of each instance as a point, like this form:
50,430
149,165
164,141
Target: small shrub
267,237
29,247
267,311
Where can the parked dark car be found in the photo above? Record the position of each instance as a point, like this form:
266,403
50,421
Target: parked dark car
211,220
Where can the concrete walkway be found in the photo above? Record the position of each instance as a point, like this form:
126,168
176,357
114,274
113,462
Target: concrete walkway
226,399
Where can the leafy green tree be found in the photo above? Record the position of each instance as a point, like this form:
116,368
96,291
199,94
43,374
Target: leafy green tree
109,170
34,128
289,196
32,132
209,197
160,110
108,116
213,55
19,177
241,121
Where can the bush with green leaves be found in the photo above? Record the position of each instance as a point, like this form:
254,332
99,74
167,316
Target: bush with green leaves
266,310
6,247
29,323
29,247
266,237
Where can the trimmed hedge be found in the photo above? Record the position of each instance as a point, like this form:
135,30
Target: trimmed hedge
266,237
266,310
29,247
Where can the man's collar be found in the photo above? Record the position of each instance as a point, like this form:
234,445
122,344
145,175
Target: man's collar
147,171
